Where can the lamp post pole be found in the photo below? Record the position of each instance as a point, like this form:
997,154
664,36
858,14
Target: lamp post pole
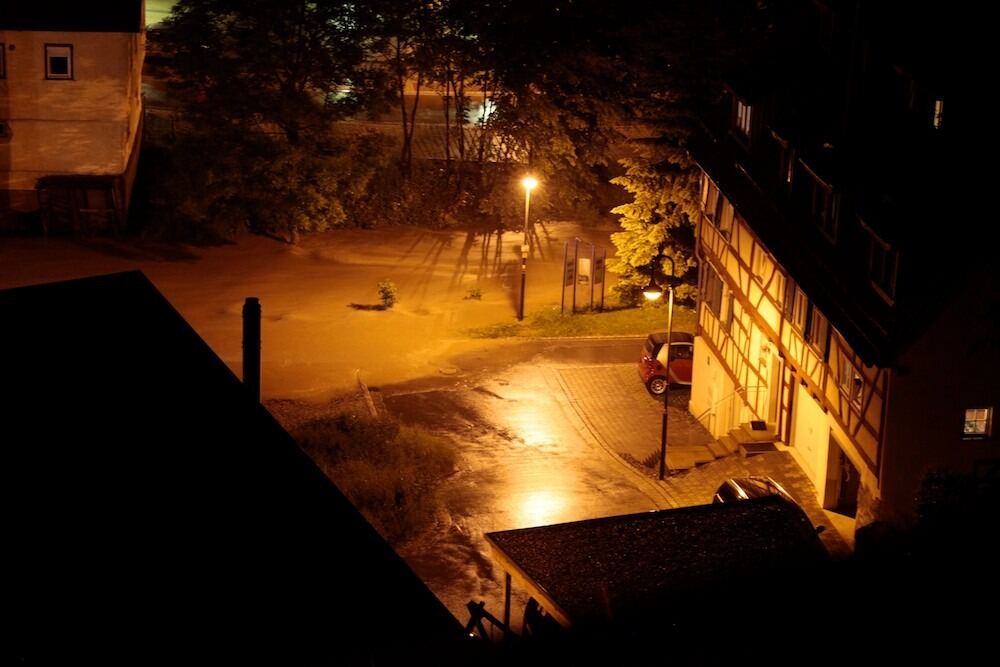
652,293
666,392
528,183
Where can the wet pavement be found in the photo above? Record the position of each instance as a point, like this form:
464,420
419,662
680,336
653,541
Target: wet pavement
548,430
551,439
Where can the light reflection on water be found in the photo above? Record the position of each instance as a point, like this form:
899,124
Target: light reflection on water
539,508
531,424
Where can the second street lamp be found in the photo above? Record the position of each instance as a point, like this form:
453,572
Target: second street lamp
653,292
529,184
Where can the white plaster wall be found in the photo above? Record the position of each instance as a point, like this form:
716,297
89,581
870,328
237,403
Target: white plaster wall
79,126
810,438
709,385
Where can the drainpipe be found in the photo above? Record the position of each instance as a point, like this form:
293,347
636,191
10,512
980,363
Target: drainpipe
251,346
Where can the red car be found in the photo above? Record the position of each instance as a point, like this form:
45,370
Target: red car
652,361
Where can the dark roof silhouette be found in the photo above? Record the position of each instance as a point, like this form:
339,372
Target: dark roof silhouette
638,569
66,15
157,513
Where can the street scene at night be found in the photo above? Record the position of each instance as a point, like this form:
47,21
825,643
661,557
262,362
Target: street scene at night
488,333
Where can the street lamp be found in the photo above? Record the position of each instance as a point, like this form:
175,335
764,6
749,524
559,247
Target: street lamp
653,292
528,183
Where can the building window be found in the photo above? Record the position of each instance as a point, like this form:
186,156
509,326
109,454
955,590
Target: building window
58,61
3,60
818,332
743,114
883,261
852,384
938,118
725,220
822,204
763,266
729,312
711,200
978,422
4,129
783,156
712,295
796,306
787,165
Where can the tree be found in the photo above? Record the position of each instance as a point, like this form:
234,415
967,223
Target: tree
556,103
676,57
262,83
267,66
658,223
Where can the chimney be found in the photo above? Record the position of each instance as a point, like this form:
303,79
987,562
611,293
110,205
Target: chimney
251,346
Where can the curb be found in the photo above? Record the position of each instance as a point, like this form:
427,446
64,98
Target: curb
656,492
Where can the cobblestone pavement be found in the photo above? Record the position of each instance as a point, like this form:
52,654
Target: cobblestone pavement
614,406
621,414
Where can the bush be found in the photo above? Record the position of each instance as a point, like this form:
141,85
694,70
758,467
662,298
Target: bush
388,293
387,471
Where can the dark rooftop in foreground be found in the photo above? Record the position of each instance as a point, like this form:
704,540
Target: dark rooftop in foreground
160,514
641,566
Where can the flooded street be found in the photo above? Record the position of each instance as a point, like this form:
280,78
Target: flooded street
526,460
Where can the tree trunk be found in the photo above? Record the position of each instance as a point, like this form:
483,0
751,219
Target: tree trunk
447,117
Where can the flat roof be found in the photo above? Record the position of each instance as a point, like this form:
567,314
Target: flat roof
637,565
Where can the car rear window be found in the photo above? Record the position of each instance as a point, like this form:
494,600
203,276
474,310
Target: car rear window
757,488
727,493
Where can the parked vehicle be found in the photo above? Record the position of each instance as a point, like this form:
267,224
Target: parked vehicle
744,488
653,362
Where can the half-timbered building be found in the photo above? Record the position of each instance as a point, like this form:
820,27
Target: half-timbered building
841,314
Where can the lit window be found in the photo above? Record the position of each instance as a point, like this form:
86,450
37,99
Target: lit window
938,114
852,384
818,332
796,306
712,294
58,61
763,265
978,422
709,198
726,218
743,114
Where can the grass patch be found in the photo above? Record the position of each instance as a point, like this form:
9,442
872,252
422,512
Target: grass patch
388,471
617,322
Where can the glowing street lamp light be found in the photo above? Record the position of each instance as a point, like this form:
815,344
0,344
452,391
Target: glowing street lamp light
653,292
528,183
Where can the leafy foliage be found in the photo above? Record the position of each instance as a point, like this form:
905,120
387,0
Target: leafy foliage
388,471
657,224
388,293
266,66
253,182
